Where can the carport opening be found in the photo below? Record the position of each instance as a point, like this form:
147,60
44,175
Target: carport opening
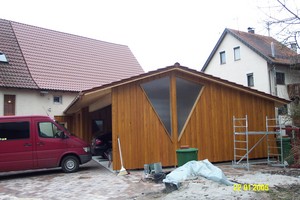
101,130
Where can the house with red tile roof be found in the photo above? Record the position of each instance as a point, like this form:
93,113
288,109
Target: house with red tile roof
256,61
42,70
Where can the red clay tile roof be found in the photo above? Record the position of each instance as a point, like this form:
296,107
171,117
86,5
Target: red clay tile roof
262,44
14,73
259,44
61,61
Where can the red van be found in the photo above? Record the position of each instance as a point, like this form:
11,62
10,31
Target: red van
36,142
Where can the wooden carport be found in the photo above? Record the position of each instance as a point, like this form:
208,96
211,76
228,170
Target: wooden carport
155,113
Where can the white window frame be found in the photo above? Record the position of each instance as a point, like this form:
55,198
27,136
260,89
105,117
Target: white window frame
250,77
59,97
237,53
222,57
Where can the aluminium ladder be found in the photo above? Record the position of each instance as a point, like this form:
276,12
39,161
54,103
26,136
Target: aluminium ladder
241,142
274,151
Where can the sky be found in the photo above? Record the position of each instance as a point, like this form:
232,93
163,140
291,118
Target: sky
158,32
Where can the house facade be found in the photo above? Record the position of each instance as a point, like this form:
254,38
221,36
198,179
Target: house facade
256,61
28,102
42,70
155,113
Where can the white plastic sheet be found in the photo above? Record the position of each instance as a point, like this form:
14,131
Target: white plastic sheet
193,169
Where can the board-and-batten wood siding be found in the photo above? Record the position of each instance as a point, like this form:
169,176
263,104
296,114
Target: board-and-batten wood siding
209,128
67,120
81,125
143,138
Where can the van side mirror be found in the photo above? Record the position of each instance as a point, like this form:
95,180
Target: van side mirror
63,135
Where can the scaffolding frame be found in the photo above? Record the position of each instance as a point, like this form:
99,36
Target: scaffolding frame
240,128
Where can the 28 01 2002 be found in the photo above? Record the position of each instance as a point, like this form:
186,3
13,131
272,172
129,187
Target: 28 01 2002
251,187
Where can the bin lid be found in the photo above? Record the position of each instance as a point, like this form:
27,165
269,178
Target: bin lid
284,139
187,150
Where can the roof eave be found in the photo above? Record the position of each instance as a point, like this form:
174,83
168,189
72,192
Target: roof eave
214,50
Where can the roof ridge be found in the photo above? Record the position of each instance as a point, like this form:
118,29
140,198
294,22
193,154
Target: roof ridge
62,61
65,33
255,34
244,37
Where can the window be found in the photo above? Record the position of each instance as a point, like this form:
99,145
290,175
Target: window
3,57
187,93
14,130
280,79
49,130
9,104
57,99
97,126
250,80
158,92
237,55
222,58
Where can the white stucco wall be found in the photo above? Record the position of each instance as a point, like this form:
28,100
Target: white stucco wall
291,77
236,71
32,102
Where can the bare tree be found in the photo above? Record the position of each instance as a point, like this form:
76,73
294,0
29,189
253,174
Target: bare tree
283,20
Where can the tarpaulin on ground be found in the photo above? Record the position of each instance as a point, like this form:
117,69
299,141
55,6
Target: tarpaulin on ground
193,169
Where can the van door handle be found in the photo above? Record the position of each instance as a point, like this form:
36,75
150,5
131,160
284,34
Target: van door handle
27,145
40,143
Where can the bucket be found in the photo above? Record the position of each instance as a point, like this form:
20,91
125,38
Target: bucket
157,168
146,169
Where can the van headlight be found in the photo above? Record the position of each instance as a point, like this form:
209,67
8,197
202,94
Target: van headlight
87,149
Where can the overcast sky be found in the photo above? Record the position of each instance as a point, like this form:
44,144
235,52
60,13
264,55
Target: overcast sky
158,32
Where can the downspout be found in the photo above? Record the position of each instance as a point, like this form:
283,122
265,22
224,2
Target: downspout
272,80
273,72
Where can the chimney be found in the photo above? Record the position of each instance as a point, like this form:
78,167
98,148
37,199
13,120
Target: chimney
273,49
251,30
177,64
294,46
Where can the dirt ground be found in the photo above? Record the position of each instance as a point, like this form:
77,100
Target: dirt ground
261,182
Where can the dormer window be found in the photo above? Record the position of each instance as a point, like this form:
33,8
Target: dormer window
3,57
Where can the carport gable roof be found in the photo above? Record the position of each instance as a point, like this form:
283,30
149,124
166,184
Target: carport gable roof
90,96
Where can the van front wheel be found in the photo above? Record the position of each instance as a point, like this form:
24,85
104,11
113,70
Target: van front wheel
70,164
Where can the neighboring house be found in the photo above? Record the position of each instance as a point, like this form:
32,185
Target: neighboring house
257,61
157,112
42,70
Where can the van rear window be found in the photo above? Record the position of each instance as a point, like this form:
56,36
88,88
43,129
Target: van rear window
14,130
